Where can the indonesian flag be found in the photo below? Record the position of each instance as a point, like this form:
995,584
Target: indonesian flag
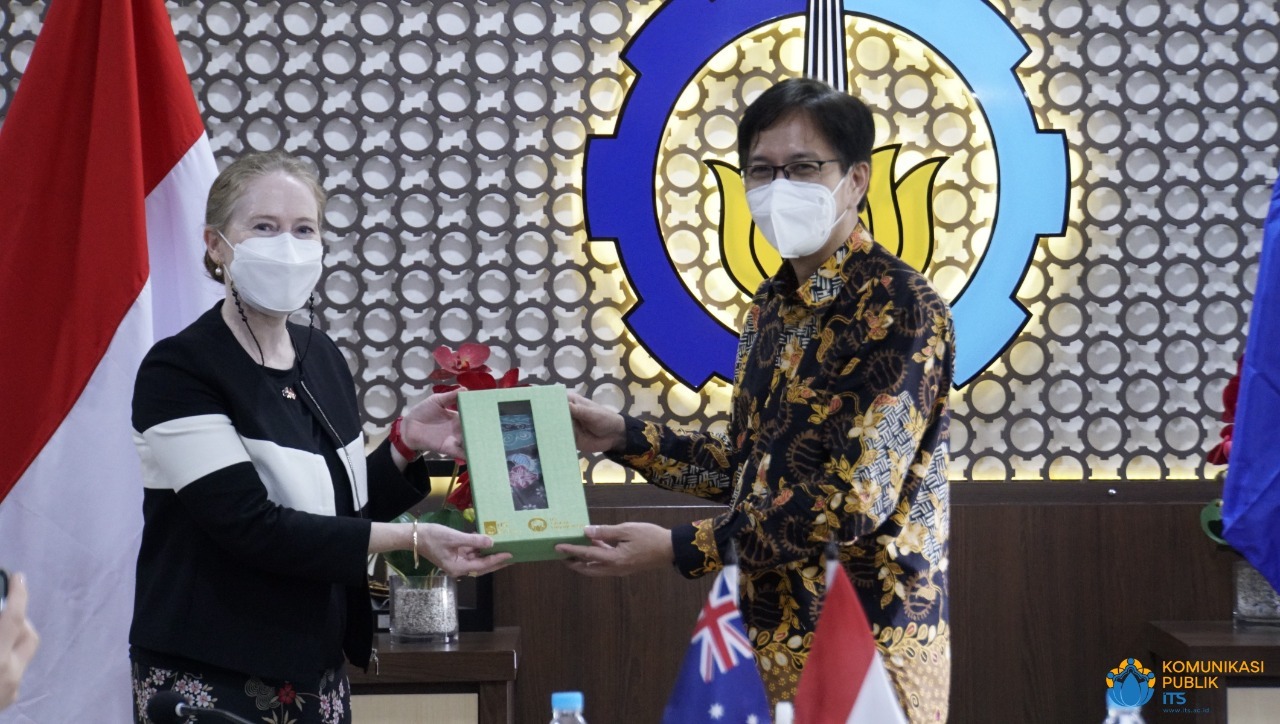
844,679
104,169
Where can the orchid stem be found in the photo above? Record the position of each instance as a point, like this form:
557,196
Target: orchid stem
453,481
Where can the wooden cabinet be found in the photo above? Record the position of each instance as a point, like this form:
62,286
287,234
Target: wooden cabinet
482,664
1203,642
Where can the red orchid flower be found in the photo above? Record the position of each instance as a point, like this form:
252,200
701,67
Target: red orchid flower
1220,452
486,381
460,496
1230,396
470,357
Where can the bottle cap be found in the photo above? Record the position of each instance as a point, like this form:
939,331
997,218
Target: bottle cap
562,700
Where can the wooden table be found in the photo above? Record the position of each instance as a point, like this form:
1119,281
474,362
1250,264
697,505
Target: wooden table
483,663
1210,641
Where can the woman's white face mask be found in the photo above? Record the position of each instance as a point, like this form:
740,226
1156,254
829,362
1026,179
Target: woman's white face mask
796,217
275,274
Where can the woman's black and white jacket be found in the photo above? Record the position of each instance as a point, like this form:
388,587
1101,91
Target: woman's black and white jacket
253,557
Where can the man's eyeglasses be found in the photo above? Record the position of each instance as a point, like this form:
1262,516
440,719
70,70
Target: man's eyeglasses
760,174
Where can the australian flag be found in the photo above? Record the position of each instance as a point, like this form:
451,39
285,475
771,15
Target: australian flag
718,681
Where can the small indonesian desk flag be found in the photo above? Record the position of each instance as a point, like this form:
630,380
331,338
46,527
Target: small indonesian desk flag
718,682
844,680
104,169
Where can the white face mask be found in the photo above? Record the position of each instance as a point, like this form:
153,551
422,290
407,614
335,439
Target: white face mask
796,217
275,274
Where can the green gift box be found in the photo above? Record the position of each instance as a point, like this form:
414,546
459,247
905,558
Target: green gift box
525,477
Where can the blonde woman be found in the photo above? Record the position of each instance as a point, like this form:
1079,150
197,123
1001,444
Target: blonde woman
260,504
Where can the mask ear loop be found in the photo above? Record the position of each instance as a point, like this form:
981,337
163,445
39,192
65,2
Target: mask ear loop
311,328
862,203
235,296
311,318
857,209
836,221
311,324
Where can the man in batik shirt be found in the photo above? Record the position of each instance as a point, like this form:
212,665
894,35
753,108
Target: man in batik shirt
839,419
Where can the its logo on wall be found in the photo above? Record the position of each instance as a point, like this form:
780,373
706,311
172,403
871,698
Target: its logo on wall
958,152
1130,685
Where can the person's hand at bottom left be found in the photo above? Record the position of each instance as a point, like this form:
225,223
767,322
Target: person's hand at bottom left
18,641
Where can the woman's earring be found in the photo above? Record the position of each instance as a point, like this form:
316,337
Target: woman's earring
217,271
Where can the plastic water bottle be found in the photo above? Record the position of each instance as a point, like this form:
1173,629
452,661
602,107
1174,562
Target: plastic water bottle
566,708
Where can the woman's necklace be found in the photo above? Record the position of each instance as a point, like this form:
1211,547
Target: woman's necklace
287,390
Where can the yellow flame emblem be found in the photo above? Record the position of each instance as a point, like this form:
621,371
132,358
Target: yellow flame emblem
899,215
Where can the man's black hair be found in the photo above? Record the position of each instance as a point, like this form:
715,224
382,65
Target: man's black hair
842,119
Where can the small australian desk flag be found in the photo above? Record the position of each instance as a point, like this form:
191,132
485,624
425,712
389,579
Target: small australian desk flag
718,681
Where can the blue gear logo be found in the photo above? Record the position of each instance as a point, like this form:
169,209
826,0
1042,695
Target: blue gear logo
667,53
1130,685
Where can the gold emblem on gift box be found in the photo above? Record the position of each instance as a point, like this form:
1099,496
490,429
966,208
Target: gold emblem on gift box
537,525
490,527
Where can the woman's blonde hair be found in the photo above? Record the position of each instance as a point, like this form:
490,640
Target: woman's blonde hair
230,186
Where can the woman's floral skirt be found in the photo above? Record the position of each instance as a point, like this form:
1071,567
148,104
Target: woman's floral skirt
271,701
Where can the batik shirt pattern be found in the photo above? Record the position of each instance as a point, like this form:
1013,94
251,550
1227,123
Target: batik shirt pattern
838,429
